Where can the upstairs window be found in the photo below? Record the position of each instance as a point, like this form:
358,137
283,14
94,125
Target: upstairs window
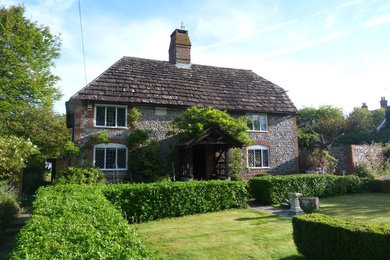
110,116
258,156
110,156
259,122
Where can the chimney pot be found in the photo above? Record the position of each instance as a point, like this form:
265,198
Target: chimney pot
364,105
180,47
383,102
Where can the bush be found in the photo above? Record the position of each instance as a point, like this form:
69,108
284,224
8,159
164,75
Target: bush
9,206
76,222
274,189
322,237
378,185
236,165
14,152
80,175
364,170
145,202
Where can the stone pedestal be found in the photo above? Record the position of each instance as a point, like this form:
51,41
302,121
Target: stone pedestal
295,207
308,204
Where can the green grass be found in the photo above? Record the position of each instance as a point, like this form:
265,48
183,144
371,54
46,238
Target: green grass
370,207
232,234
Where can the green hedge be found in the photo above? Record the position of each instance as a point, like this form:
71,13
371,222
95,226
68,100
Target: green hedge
322,237
378,185
274,189
76,222
145,202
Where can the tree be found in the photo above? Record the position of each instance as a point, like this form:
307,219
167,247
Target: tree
360,120
361,126
320,127
195,120
43,127
27,53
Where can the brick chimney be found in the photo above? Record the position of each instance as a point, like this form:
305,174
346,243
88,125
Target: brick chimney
180,47
383,102
364,105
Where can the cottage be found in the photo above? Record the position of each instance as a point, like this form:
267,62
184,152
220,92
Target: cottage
162,90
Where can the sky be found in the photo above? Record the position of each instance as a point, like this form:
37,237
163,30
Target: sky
322,52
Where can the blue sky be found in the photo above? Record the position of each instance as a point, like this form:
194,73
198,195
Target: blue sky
322,52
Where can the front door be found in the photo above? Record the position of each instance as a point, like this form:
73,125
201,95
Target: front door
203,162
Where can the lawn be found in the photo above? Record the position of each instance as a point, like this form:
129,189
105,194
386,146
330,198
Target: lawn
232,234
371,207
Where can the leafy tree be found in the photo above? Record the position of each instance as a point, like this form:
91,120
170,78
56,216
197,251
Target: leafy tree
27,53
195,120
378,115
361,126
360,120
320,127
45,129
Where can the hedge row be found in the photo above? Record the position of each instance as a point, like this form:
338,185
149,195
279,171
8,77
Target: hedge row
76,222
322,237
378,186
274,189
145,202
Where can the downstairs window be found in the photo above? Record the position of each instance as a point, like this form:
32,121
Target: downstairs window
110,156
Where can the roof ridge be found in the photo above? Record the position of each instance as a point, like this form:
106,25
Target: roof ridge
192,64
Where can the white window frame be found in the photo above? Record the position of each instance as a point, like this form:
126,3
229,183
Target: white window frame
110,145
105,116
261,115
258,147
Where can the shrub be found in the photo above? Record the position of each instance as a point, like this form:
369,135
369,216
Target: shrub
146,164
80,175
145,202
274,189
14,152
378,185
322,237
76,222
364,170
9,206
321,159
236,165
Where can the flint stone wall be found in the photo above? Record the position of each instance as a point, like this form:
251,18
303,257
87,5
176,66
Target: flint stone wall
281,137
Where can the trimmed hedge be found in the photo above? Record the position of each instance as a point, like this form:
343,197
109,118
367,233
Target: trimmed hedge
145,202
76,222
322,237
274,189
378,185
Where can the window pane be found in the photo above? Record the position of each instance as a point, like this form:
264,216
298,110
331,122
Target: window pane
121,158
265,158
263,122
100,115
250,124
110,158
256,123
110,116
121,116
257,158
99,158
250,158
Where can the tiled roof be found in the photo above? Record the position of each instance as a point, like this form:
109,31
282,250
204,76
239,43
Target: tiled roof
159,83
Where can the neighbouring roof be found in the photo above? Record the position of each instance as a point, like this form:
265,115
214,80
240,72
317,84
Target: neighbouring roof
139,81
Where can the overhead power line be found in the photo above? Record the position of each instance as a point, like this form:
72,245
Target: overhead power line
82,44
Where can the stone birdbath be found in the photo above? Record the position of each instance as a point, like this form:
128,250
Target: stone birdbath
295,207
